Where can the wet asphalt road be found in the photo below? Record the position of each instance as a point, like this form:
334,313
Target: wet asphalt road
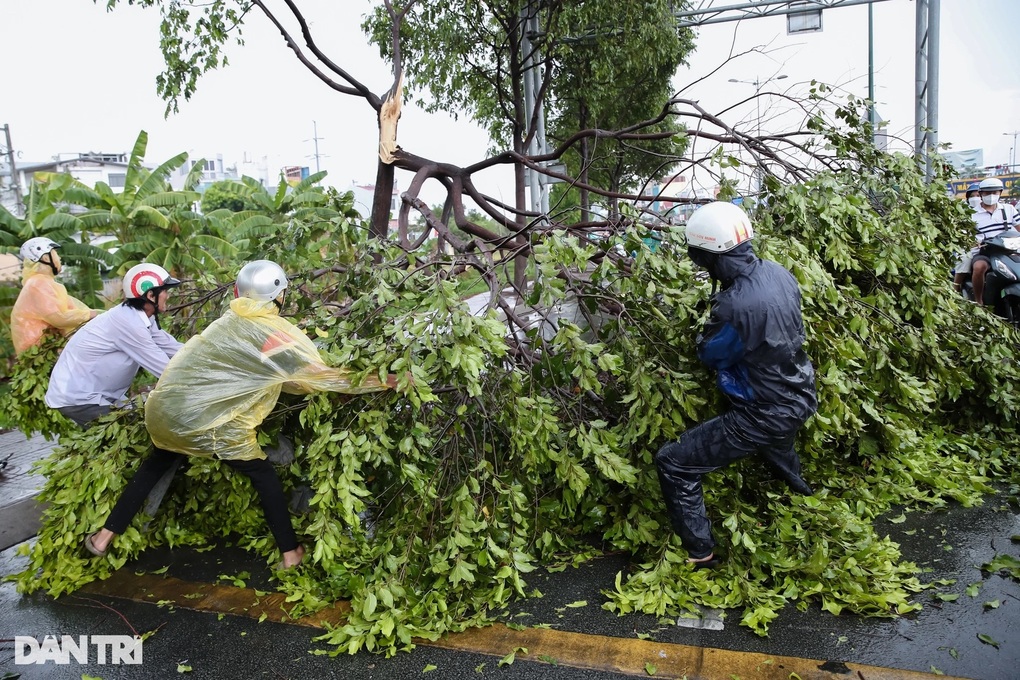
943,636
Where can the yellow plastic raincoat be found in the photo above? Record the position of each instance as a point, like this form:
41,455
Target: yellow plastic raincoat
224,382
43,303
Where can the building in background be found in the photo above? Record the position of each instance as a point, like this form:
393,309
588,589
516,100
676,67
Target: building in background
364,194
214,169
295,173
87,168
678,197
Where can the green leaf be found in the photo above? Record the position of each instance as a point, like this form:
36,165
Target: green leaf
987,639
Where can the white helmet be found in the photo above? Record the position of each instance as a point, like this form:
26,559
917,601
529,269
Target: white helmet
990,184
261,280
718,227
34,248
144,277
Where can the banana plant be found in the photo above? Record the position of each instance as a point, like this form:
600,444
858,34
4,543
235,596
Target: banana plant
145,201
285,215
184,242
52,209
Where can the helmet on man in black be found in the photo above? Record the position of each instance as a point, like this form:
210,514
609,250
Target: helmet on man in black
261,280
715,229
718,227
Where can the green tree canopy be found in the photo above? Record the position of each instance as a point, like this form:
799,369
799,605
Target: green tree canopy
227,194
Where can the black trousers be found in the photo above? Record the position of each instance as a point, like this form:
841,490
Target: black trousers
707,447
260,472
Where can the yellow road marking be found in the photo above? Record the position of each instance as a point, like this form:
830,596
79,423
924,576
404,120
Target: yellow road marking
578,650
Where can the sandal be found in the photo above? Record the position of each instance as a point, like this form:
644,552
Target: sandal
91,547
709,562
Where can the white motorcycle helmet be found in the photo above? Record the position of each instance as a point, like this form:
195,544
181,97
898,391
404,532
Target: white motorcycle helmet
261,280
144,277
718,227
990,184
990,189
34,248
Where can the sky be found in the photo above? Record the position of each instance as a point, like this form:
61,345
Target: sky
78,78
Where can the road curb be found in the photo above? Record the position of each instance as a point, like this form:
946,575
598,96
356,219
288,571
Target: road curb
640,658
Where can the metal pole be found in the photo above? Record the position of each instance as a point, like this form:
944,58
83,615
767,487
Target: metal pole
529,107
871,70
19,205
933,85
757,108
920,80
315,136
540,142
1012,151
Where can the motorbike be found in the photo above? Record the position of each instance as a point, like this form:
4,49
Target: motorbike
1002,280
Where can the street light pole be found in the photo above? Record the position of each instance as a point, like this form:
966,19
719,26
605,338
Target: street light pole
1012,161
758,84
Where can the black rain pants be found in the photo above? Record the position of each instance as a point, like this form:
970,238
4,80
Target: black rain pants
260,472
707,447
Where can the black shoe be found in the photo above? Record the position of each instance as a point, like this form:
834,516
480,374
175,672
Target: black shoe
798,485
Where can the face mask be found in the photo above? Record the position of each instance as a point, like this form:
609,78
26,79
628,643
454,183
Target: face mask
975,202
989,199
701,258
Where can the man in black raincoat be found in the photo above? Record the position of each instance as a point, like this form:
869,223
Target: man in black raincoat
754,341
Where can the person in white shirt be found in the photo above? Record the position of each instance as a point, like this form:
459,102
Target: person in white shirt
990,220
99,362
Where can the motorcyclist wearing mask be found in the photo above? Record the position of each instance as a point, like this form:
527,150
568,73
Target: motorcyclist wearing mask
962,269
973,195
754,342
990,220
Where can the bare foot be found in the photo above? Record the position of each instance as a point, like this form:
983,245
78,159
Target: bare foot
292,558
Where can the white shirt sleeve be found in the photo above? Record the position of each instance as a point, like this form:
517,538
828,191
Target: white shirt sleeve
140,344
166,342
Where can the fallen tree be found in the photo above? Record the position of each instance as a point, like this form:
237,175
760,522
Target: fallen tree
527,445
519,449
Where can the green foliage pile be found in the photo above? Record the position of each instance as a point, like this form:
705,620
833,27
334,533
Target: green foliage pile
22,403
430,506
